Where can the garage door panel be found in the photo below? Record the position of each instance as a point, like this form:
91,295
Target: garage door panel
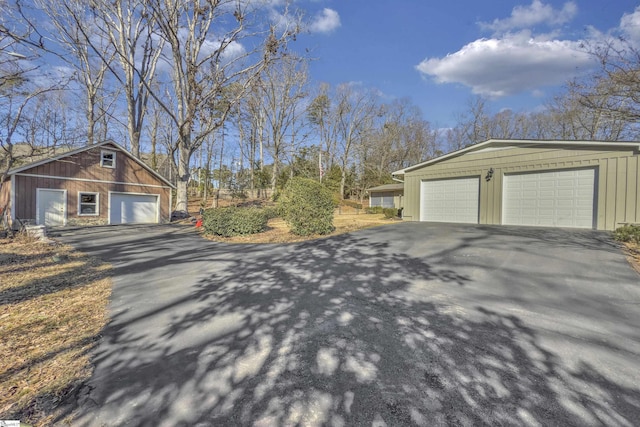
450,200
557,199
128,208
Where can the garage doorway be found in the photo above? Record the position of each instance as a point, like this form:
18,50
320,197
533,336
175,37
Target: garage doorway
559,198
450,200
133,208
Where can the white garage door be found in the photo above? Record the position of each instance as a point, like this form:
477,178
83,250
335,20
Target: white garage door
127,208
553,199
450,200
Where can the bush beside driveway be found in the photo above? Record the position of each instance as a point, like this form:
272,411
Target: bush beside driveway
405,324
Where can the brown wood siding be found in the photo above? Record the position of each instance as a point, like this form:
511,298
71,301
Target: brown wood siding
86,165
83,173
26,187
617,179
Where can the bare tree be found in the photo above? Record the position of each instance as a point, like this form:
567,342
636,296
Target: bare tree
319,112
614,91
402,137
354,112
249,119
14,122
206,56
18,90
129,27
75,42
283,88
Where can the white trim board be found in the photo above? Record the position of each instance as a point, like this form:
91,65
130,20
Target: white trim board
89,180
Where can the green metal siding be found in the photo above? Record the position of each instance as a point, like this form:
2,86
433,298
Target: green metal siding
617,178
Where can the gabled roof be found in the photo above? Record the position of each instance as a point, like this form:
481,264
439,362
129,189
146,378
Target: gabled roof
508,143
387,187
87,148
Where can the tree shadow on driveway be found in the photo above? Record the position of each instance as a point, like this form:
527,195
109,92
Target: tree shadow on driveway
371,328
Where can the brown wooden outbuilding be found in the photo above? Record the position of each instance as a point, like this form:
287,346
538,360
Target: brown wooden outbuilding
93,185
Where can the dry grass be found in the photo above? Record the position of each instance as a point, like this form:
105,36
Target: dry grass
53,305
633,255
278,230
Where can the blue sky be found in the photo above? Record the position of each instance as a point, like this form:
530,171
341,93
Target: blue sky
441,54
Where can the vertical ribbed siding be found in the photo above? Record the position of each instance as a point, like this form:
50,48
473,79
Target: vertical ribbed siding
617,180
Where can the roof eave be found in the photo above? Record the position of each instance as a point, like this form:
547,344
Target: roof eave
86,148
522,142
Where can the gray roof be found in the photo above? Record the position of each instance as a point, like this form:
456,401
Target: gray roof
387,187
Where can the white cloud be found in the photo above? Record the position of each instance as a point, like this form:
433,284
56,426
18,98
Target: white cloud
512,64
325,22
529,16
630,25
514,60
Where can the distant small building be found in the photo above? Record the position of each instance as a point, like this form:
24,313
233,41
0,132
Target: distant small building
386,196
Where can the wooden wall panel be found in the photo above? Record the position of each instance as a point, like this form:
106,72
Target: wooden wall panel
26,195
86,165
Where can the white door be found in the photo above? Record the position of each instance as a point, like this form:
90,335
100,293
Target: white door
549,199
51,207
450,200
127,208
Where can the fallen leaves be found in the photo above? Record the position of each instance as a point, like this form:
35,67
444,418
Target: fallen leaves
53,305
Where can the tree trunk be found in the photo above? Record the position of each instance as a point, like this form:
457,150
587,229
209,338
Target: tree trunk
183,174
134,137
274,174
91,122
154,142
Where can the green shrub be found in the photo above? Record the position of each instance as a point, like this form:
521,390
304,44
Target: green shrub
390,212
271,211
627,233
234,221
307,207
374,210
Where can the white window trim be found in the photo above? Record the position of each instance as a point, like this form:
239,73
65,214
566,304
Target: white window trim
102,153
79,211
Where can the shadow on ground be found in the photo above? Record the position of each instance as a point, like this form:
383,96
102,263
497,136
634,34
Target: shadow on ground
368,328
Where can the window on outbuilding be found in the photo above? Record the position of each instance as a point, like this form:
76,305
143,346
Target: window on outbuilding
107,159
382,199
88,204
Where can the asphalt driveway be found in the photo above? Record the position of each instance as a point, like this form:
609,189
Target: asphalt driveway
408,324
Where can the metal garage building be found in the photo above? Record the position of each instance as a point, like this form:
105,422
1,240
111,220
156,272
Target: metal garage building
579,184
